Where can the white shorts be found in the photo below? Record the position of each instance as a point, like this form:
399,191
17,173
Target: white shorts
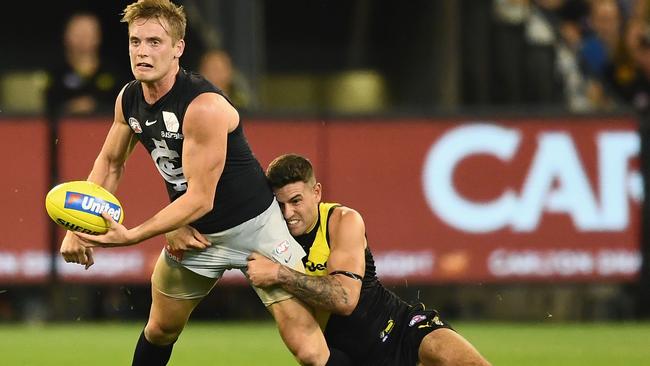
266,234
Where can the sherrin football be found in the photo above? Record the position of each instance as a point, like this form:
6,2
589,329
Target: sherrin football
78,205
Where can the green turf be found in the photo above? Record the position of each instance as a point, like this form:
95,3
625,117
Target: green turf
597,344
246,344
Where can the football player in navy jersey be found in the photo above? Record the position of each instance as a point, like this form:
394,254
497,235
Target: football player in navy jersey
218,191
359,316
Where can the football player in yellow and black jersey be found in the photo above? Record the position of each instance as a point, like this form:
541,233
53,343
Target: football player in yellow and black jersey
359,316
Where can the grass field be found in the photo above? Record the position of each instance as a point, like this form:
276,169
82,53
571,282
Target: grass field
248,344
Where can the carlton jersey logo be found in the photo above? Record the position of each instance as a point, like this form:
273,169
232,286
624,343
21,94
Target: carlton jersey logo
92,205
168,162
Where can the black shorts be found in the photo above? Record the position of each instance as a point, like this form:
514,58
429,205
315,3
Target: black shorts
403,348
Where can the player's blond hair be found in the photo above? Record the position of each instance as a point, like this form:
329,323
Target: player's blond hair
173,14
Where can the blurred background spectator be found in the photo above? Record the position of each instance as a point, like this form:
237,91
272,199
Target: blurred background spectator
217,67
634,89
603,50
82,81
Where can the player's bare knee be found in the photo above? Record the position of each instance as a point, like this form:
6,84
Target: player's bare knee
300,332
162,334
310,356
444,347
308,353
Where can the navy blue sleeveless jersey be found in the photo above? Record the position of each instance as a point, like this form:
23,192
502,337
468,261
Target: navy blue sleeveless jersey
242,191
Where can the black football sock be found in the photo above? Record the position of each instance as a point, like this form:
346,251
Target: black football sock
338,358
148,354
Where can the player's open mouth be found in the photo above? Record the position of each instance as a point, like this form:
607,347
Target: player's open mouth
144,65
292,222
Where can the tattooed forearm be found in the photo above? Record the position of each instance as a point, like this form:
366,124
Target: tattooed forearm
324,292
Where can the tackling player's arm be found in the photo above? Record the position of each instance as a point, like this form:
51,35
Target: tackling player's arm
338,292
186,238
107,171
207,122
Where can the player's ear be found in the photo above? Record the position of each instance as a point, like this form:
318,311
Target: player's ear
180,48
318,189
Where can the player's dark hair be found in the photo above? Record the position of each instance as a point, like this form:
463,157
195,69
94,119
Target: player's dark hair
289,168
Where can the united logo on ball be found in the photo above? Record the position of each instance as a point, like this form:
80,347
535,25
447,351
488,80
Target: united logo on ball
78,206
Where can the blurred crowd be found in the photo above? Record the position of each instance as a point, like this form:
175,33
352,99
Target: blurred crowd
83,81
594,51
584,55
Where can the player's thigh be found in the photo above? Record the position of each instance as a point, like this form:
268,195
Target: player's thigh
297,324
175,292
444,347
169,315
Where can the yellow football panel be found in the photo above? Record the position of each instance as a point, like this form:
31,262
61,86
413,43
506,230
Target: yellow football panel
58,194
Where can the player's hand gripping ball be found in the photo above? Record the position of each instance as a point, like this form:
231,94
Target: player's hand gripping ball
78,206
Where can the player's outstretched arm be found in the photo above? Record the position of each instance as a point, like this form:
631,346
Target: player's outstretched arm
337,293
118,145
206,124
107,171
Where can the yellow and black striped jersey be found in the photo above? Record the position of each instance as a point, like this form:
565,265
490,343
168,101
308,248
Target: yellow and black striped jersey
371,323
